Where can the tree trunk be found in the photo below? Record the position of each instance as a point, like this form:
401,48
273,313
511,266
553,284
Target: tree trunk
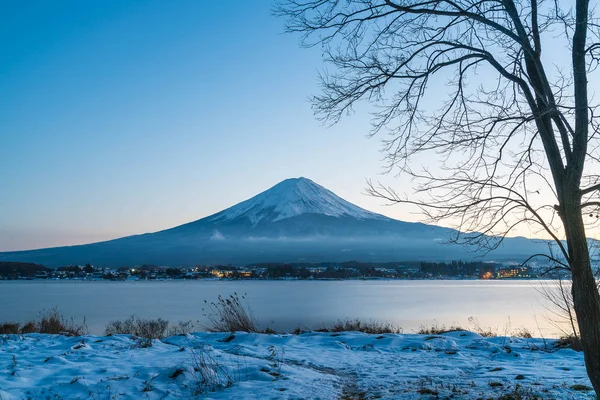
586,299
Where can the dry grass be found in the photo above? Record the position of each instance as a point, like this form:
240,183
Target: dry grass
10,328
473,327
298,331
209,372
53,322
181,328
29,327
50,321
356,325
144,328
229,314
438,330
147,328
522,333
483,332
571,342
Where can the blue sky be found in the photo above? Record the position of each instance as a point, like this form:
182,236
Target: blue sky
123,117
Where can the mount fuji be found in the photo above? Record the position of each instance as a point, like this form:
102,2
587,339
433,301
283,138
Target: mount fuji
296,220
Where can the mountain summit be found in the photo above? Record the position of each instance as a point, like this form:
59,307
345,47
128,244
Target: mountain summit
291,198
296,220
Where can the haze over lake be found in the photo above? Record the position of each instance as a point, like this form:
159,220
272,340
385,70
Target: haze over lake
503,306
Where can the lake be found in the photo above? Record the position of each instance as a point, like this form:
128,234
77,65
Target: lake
503,306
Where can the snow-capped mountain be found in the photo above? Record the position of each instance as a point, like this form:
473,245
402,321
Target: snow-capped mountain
295,220
294,208
292,198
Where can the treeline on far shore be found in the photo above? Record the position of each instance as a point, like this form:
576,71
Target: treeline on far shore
14,270
325,270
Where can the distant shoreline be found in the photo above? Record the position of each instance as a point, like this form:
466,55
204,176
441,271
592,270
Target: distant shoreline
276,279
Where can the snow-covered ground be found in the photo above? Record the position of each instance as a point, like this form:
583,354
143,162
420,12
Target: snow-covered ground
348,365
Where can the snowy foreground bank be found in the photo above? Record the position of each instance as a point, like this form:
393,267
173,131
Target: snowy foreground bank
458,365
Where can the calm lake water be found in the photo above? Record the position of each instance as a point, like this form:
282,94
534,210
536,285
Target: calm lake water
503,306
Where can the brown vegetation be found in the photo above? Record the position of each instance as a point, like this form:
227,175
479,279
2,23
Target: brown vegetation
438,330
50,322
10,328
229,314
356,325
147,328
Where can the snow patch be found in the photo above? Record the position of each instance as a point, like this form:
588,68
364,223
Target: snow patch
217,236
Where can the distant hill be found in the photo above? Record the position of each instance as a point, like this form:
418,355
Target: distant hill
296,220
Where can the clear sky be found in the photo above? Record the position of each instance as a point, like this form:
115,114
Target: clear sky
121,117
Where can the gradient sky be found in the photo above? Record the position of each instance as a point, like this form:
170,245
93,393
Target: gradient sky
124,117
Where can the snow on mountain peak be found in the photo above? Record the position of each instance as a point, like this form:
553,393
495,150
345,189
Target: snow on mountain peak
293,197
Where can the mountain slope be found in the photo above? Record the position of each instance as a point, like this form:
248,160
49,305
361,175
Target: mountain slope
295,220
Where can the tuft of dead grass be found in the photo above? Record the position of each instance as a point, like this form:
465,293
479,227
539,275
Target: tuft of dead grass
53,322
229,314
570,341
147,328
436,329
522,333
10,328
356,325
28,327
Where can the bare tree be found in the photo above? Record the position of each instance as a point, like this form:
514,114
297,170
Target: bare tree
511,138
